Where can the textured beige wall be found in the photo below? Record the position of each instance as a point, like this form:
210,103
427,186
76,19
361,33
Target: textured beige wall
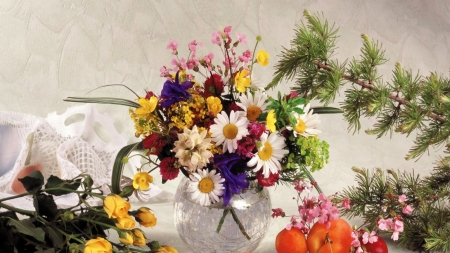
53,49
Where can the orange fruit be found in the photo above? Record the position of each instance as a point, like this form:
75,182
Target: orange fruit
335,239
291,241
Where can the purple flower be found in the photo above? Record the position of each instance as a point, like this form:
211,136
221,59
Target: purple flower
173,92
234,183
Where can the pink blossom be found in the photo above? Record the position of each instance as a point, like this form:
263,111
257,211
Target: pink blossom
402,198
242,38
193,45
173,46
277,212
346,203
355,243
179,64
295,223
394,236
216,38
385,224
397,225
301,185
407,209
165,72
371,238
227,30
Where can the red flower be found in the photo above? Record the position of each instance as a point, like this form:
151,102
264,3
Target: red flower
168,167
213,86
269,181
154,143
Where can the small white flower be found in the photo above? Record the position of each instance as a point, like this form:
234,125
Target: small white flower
228,130
253,105
270,152
306,123
205,187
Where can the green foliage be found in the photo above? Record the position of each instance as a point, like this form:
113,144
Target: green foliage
376,196
406,103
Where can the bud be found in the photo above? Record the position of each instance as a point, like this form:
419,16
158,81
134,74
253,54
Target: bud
258,38
306,13
68,216
74,248
444,99
153,245
371,107
398,66
196,68
365,38
87,182
125,160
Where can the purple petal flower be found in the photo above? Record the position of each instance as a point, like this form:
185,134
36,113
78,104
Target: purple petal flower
173,92
234,184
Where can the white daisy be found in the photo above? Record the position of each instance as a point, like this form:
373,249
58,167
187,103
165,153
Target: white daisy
269,154
306,123
191,148
205,187
253,105
228,130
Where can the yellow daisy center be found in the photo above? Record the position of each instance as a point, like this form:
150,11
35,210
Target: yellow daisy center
253,112
266,152
206,185
301,126
230,131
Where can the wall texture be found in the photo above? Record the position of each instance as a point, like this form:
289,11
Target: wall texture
52,49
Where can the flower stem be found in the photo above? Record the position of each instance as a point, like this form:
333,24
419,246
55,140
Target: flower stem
238,222
225,212
15,196
18,210
311,178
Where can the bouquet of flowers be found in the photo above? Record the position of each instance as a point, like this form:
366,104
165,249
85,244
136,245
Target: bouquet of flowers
224,131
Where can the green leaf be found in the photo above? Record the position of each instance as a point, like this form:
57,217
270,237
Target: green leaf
46,205
103,100
27,228
56,237
56,182
327,110
117,170
33,182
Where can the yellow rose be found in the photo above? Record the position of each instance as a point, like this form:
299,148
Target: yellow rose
214,105
125,222
147,106
242,81
138,237
145,217
126,237
262,58
270,121
167,249
115,206
99,245
142,181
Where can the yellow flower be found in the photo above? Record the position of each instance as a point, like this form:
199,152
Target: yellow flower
99,245
147,106
262,58
270,121
138,237
125,222
115,206
126,237
167,249
214,105
242,81
142,181
145,217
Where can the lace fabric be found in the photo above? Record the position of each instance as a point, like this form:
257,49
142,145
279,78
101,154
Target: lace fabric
65,145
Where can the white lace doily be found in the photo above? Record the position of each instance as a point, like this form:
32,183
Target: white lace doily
65,145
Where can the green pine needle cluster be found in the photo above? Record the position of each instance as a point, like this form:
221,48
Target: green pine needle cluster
405,103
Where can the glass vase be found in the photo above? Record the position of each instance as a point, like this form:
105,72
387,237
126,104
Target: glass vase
246,221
